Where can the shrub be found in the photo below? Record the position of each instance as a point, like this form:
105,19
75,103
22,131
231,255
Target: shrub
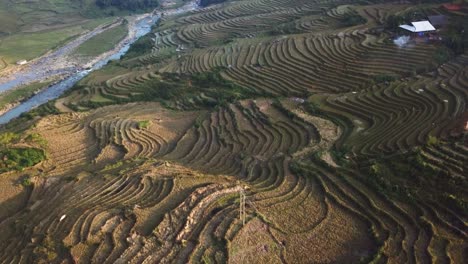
7,138
140,47
381,78
20,158
26,182
455,37
352,19
441,55
143,124
36,138
432,140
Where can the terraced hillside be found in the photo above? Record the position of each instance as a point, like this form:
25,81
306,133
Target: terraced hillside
346,147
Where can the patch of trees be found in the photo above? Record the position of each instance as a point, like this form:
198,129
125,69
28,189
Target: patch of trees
140,47
176,86
393,21
16,158
197,91
352,19
409,177
131,5
455,36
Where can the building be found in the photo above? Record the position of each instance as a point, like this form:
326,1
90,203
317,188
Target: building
419,27
21,62
452,7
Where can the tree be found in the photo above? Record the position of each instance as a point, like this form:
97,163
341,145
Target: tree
7,138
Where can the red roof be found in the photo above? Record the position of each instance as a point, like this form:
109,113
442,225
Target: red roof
452,7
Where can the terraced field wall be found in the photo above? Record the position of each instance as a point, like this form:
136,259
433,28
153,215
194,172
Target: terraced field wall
349,148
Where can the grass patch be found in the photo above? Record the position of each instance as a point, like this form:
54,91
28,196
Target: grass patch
143,124
102,42
21,93
113,166
28,46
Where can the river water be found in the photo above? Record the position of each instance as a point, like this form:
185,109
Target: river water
142,28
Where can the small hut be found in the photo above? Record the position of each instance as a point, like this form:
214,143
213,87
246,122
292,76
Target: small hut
21,62
419,27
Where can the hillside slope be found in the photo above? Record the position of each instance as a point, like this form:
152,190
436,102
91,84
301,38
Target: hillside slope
256,131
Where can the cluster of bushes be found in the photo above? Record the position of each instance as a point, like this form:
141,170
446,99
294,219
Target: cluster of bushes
15,158
284,29
20,158
143,124
194,91
131,5
173,87
352,19
408,176
43,110
140,47
393,21
455,36
383,78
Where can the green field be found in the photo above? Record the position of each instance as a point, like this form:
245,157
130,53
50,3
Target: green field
29,29
102,42
19,93
31,45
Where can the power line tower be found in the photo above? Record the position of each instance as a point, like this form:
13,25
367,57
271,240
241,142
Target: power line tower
242,213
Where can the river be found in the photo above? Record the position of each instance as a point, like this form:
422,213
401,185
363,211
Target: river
142,28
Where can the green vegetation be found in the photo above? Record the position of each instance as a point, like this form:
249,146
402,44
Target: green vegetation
144,124
31,45
383,78
323,125
441,55
200,90
26,181
455,36
432,140
36,139
140,47
20,158
409,176
29,29
352,19
102,42
7,138
21,93
217,90
113,166
49,250
284,29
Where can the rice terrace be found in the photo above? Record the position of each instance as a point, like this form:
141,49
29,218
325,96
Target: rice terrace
233,131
